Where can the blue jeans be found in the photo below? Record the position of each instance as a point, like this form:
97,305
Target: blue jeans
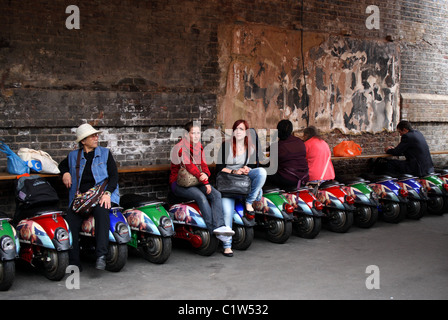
258,178
228,209
209,204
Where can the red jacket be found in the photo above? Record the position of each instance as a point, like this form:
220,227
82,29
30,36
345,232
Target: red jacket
317,154
185,152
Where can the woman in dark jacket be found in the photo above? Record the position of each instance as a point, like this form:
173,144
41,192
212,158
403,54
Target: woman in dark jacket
292,164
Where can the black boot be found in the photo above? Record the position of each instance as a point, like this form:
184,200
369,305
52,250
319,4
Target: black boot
101,263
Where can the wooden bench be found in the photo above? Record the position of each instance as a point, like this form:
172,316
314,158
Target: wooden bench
127,169
381,155
166,167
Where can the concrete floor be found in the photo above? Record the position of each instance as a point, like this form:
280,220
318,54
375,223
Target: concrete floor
412,260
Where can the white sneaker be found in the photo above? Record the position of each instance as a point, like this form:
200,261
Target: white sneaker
224,231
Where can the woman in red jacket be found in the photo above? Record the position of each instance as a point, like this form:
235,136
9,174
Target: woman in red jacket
190,153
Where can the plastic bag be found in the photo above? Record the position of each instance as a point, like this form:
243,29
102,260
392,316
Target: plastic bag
33,157
14,164
347,149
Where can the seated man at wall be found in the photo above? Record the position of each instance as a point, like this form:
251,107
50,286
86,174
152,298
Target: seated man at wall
415,149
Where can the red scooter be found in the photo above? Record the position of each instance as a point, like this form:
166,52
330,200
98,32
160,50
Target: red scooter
307,221
338,205
44,234
190,226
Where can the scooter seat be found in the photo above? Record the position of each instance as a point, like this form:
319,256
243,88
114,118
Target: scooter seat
382,178
292,189
330,183
406,176
173,199
131,200
442,171
271,190
352,180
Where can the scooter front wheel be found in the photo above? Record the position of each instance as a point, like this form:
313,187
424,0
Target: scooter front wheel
156,249
55,264
340,221
435,205
117,257
7,274
366,216
209,243
243,237
416,209
393,212
279,230
307,227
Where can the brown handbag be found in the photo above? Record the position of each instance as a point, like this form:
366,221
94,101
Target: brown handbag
83,203
186,179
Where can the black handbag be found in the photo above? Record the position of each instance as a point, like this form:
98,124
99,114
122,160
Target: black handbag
233,185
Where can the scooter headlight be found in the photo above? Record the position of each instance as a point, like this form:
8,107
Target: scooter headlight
7,244
349,199
424,192
318,205
122,229
288,208
404,193
165,222
61,235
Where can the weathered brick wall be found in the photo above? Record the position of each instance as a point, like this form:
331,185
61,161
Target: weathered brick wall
138,69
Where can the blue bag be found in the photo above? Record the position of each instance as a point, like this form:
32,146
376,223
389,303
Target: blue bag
15,164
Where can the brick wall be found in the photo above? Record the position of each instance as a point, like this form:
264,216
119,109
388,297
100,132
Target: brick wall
137,69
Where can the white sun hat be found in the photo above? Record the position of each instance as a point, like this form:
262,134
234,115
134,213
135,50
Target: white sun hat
84,131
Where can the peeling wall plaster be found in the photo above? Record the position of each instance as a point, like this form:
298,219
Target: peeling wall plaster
349,84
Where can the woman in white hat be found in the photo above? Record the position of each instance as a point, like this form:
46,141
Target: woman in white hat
96,165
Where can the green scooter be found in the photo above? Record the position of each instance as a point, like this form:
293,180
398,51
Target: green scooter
366,200
9,251
274,214
151,227
437,191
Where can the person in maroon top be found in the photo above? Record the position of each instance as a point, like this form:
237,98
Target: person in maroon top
292,164
189,152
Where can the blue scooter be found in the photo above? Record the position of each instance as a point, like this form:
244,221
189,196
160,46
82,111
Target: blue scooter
392,198
417,203
243,225
119,236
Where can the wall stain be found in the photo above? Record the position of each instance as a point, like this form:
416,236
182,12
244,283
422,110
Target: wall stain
348,84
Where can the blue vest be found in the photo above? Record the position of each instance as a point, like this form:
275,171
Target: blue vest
99,171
